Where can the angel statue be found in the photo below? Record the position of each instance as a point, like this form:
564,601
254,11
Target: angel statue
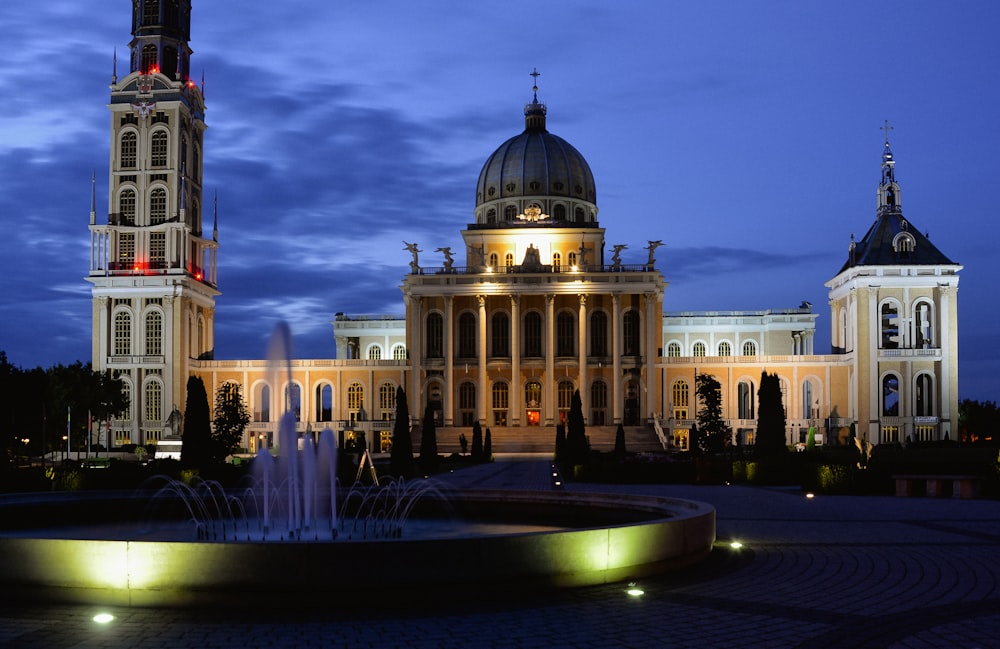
653,245
449,261
616,259
412,247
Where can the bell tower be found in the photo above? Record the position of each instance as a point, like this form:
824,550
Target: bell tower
152,265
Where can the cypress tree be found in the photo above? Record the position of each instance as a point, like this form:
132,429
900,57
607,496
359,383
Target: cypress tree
401,455
428,442
196,447
620,441
488,447
560,442
577,447
770,418
477,442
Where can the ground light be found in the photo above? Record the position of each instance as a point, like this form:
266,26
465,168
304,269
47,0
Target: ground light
633,590
810,495
736,545
104,618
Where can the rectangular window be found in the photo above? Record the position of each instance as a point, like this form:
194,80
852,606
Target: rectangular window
157,249
126,249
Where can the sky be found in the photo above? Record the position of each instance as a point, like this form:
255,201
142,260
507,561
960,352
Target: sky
744,135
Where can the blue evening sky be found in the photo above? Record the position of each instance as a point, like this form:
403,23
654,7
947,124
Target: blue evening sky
745,135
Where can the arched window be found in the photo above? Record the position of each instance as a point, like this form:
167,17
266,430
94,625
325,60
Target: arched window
725,349
673,350
698,349
154,402
749,348
494,260
158,149
435,335
630,333
889,313
533,394
399,352
565,335
890,396
598,333
491,216
510,212
923,396
579,214
571,259
500,403
467,403
123,334
355,401
149,61
157,206
386,401
556,261
508,260
679,395
809,410
745,400
126,206
127,151
154,333
262,402
564,392
559,212
467,335
533,334
293,400
127,395
500,335
374,353
923,315
324,402
598,402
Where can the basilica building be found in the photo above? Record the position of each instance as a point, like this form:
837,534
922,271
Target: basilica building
537,306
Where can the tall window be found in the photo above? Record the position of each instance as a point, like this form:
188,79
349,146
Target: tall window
157,249
435,335
154,402
508,260
630,333
808,411
564,395
559,213
556,261
154,333
698,349
500,335
500,401
565,335
324,402
533,394
923,399
127,154
151,12
127,394
467,403
157,206
890,326
262,403
374,353
467,335
532,334
598,403
598,333
673,350
148,57
571,259
126,249
399,352
355,401
890,396
386,401
510,212
293,400
158,149
679,394
749,348
494,260
924,325
126,206
123,334
745,398
725,349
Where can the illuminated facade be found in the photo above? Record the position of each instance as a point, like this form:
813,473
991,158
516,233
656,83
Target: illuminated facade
536,311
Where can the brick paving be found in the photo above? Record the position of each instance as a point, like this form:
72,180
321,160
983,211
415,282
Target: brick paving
829,572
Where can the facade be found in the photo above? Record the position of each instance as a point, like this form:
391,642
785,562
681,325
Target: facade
536,311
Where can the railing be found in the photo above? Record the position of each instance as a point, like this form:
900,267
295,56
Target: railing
543,269
659,433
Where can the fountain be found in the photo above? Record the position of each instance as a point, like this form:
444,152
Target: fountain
290,534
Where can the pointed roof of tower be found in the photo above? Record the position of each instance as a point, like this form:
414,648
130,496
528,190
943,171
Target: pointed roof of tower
892,240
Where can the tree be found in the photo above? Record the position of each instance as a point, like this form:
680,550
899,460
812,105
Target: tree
620,441
577,446
560,442
714,435
477,442
488,446
196,447
428,442
770,418
401,455
230,419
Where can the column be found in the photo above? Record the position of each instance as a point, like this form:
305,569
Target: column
484,387
582,347
414,399
549,389
653,327
449,363
516,389
617,398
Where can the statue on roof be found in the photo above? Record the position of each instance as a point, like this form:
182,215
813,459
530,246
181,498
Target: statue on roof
653,245
414,265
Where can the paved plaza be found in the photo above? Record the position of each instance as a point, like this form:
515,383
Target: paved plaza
827,572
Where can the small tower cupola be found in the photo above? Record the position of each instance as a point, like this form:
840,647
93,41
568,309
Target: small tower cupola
161,30
888,190
534,113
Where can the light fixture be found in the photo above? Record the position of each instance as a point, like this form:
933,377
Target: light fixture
104,618
810,495
633,590
736,545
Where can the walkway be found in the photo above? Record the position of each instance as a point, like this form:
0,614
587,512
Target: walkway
827,572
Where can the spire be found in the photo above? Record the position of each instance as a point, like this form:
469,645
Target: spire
534,113
888,190
114,67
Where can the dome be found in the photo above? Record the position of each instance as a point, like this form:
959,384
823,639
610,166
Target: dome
533,170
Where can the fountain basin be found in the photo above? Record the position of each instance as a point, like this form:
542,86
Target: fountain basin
602,538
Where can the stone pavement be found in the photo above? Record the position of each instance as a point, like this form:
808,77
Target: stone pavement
828,572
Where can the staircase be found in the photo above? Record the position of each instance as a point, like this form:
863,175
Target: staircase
542,439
